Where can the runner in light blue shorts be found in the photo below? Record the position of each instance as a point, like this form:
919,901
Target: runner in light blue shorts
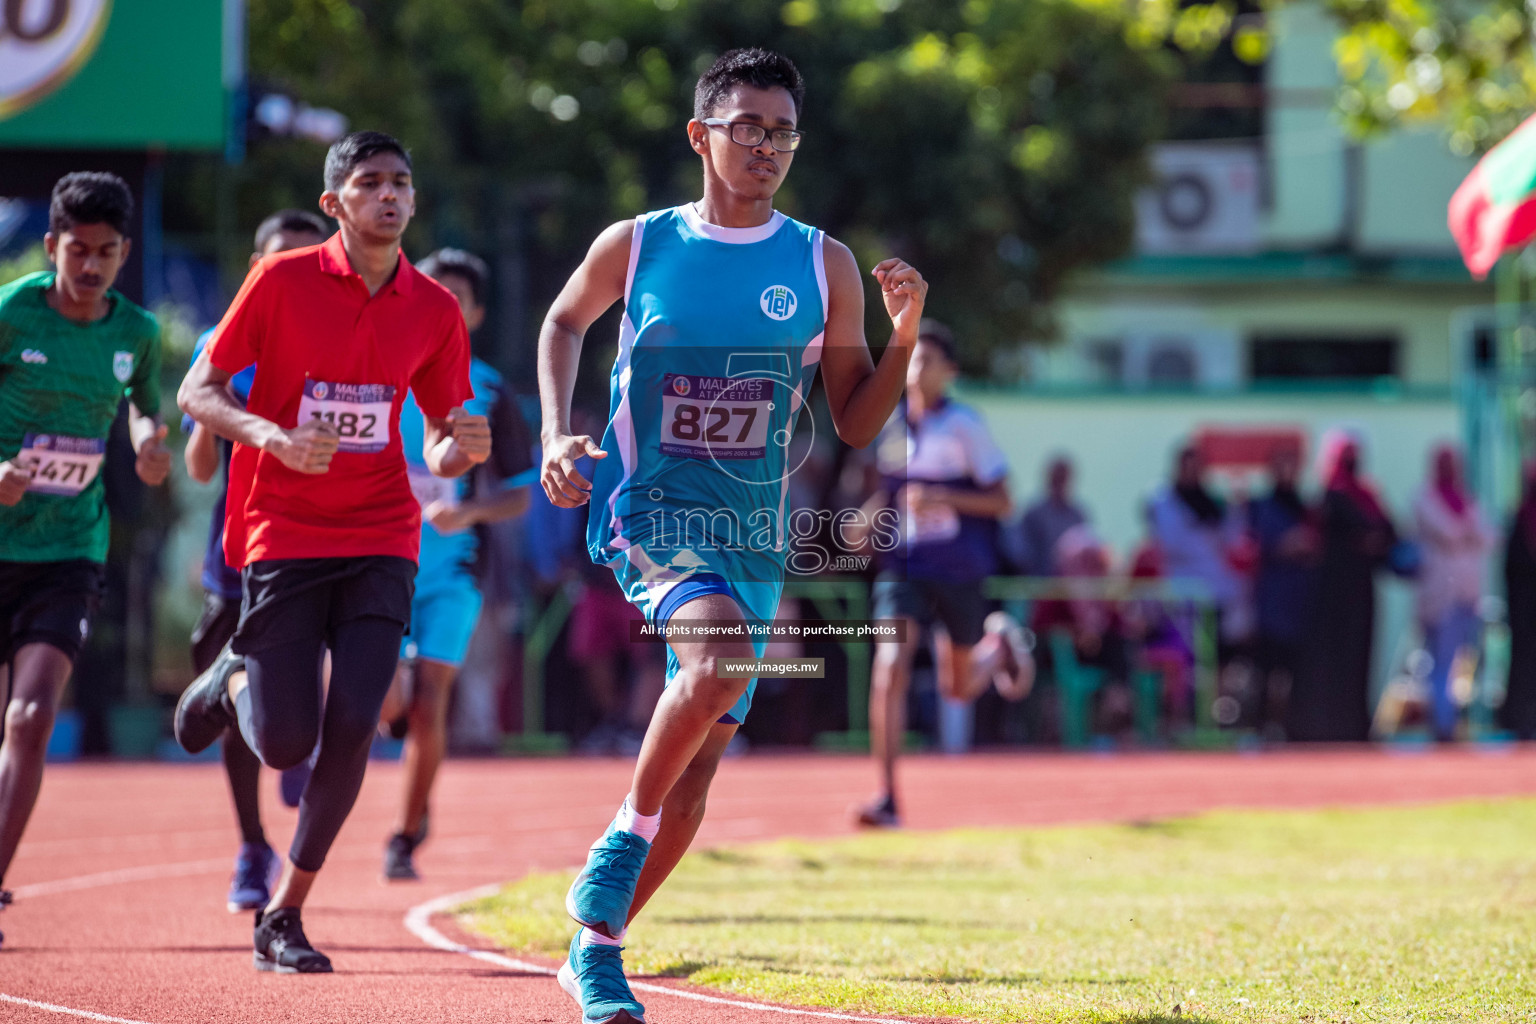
446,606
730,308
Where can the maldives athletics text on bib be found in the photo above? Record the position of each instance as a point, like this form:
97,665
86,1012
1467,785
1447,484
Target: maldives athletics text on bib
359,412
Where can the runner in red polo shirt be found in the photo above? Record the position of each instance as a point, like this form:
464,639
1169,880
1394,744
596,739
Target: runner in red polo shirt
320,516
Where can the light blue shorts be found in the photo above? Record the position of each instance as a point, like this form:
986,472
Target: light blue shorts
758,601
443,618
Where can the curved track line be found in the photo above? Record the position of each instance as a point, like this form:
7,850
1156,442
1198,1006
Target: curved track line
419,921
53,1008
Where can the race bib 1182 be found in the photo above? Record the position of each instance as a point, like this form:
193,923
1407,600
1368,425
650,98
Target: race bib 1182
59,464
359,412
715,417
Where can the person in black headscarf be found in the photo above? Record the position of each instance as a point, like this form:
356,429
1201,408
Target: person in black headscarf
1287,542
1518,713
1198,535
1330,701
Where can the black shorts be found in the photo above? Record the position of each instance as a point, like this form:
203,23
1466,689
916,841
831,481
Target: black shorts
286,598
48,602
214,628
959,606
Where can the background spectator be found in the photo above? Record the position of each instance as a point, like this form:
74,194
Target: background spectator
1331,697
1287,543
1454,539
1198,536
1029,543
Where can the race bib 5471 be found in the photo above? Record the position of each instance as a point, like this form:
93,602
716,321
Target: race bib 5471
60,464
715,417
360,412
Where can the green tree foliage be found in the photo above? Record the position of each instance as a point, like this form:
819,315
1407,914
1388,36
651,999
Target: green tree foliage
995,143
1467,65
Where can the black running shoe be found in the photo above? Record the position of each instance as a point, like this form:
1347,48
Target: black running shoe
281,946
399,866
204,711
5,901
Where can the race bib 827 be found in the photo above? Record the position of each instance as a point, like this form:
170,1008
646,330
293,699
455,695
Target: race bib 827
59,464
360,412
715,417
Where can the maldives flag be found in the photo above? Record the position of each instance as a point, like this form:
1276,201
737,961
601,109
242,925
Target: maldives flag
1495,208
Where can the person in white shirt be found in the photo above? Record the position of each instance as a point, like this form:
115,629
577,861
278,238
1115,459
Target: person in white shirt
1455,540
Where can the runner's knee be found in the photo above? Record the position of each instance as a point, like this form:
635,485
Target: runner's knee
283,747
28,724
701,682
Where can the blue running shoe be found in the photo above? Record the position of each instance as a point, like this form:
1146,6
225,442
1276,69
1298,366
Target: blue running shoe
601,894
594,977
250,887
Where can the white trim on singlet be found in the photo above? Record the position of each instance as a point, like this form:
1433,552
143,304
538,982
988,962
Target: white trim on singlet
819,259
733,236
623,419
636,235
808,360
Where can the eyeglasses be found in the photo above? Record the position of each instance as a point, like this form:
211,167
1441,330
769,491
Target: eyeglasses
745,133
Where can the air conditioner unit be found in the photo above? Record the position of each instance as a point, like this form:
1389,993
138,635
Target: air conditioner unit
1205,199
1202,359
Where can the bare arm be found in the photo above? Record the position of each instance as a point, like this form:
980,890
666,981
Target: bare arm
860,394
493,508
455,443
204,395
152,461
990,502
597,284
202,454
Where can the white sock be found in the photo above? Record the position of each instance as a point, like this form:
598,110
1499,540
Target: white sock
643,825
592,938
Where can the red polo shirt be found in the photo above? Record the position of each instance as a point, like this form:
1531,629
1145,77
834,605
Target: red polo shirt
324,348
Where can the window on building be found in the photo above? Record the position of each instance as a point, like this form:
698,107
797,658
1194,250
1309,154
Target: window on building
1106,361
1323,357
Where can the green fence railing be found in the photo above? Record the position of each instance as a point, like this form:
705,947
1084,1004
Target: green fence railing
848,598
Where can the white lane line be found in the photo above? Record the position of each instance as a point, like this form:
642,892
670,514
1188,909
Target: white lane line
53,1008
419,921
119,877
97,880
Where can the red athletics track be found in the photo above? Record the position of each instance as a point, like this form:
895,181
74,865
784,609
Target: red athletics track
120,882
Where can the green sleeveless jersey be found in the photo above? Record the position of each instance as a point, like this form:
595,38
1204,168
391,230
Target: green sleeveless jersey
60,385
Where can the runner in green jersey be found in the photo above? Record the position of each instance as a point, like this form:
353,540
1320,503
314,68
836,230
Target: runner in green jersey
71,349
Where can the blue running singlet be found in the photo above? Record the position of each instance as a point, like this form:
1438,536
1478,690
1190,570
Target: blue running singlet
718,348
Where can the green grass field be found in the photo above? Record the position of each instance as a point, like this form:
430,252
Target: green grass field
1407,914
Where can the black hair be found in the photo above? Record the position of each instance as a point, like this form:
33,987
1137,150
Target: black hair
297,221
90,197
350,150
761,69
465,264
938,335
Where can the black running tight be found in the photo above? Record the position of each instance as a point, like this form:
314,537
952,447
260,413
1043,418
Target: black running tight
283,709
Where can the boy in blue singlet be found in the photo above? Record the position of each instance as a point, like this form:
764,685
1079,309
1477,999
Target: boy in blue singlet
729,308
446,605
